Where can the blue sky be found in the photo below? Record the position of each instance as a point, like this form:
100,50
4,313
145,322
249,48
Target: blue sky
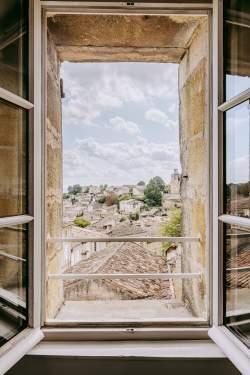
120,122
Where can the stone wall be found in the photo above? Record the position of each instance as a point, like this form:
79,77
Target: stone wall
53,180
194,146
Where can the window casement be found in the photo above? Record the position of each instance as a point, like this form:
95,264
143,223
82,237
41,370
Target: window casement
19,320
232,261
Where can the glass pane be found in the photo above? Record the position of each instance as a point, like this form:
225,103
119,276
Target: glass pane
236,46
13,160
237,263
14,46
13,280
237,163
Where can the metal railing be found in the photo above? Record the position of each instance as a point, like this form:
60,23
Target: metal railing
112,276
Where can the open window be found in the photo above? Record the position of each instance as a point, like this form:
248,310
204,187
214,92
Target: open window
125,247
17,316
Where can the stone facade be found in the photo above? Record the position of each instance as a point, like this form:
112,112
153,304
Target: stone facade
194,146
54,176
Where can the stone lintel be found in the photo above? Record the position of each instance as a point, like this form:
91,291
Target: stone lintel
112,54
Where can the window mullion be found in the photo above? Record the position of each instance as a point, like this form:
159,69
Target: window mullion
229,219
15,99
15,220
238,99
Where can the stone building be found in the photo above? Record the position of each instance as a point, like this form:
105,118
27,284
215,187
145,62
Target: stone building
175,182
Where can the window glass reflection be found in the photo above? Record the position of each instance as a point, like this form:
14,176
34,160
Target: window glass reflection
13,280
14,46
236,46
13,160
237,132
237,263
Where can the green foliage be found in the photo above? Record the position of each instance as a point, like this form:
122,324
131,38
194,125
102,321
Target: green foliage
102,199
134,217
111,199
86,190
172,228
167,188
81,222
75,189
124,197
153,191
141,183
123,218
158,181
66,196
152,195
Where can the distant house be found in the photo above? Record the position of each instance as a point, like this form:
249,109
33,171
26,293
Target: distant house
106,224
122,190
74,252
70,210
130,206
94,189
138,190
127,229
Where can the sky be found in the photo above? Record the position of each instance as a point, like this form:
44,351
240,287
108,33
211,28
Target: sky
120,122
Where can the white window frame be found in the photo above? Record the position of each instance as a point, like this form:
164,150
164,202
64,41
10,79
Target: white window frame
22,343
234,349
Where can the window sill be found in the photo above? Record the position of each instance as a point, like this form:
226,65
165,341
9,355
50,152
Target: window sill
130,349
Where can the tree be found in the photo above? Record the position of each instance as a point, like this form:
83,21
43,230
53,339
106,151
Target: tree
102,199
103,187
152,194
172,228
141,183
158,181
75,189
134,216
111,199
124,197
81,222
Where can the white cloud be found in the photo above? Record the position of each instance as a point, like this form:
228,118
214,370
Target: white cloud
92,88
155,115
113,162
128,156
101,97
238,170
119,123
159,117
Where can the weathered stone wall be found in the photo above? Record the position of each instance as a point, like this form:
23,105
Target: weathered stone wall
53,180
194,146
